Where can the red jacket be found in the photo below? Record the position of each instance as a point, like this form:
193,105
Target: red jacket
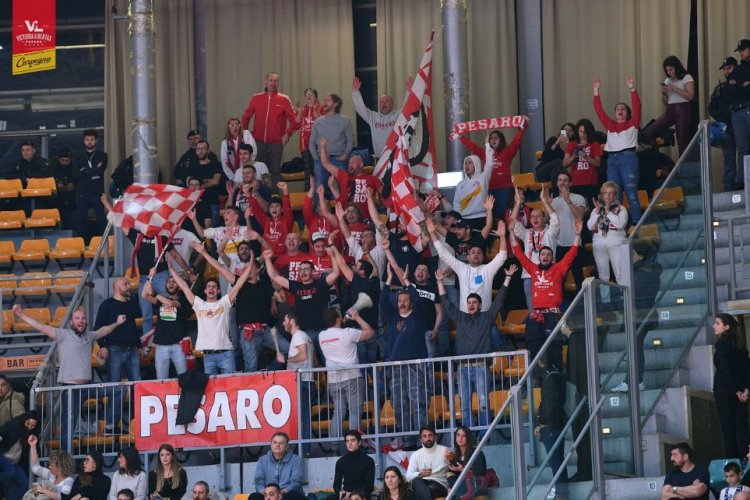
274,230
272,112
546,285
500,177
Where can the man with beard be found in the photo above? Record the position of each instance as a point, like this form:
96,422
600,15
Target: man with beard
74,346
171,326
89,167
121,348
547,278
428,468
337,132
353,181
381,121
687,479
189,158
208,171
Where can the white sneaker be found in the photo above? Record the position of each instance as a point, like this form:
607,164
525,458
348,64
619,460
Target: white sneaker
621,387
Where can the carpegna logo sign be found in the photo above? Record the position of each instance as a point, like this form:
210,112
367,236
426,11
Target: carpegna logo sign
243,409
33,36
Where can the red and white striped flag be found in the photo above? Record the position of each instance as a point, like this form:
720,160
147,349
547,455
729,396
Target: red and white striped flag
153,209
402,193
415,121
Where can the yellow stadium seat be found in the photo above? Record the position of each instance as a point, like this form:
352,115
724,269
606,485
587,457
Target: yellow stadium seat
34,286
65,283
45,186
496,401
515,322
527,182
43,217
647,233
295,176
244,496
31,252
8,319
41,314
296,200
387,415
368,414
134,279
57,319
538,155
7,249
534,205
10,188
516,368
68,251
319,416
90,250
438,411
12,219
8,283
671,198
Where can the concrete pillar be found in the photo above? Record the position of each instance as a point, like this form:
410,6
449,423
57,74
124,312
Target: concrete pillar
456,77
530,77
143,69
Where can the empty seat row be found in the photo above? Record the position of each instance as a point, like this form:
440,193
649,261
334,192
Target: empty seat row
39,218
67,251
35,188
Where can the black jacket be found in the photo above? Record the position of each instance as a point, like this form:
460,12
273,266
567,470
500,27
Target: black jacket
88,171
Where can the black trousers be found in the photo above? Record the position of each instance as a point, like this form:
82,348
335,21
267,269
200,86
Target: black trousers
427,490
733,418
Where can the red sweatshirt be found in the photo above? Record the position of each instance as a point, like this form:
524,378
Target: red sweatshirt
500,177
274,230
546,285
305,124
272,112
315,223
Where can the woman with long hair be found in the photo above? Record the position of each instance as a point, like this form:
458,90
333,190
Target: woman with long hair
130,475
168,479
583,156
459,456
622,139
677,92
395,486
305,116
60,471
92,483
730,384
234,137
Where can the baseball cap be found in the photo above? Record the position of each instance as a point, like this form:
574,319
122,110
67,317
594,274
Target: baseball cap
728,61
319,235
193,133
742,45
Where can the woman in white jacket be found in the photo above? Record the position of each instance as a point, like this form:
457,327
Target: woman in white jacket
607,223
230,147
472,191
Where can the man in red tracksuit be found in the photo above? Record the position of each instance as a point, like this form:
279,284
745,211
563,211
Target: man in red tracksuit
273,116
547,279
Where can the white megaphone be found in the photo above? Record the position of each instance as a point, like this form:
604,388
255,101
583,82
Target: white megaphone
363,302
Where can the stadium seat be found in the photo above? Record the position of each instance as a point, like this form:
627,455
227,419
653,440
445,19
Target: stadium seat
45,186
8,319
59,316
8,283
647,233
98,439
672,198
245,496
642,200
68,251
438,411
296,200
515,368
40,314
537,394
534,205
134,279
10,188
497,400
457,407
527,182
387,416
32,252
65,283
34,286
7,249
43,217
12,219
320,416
292,177
515,322
90,250
368,414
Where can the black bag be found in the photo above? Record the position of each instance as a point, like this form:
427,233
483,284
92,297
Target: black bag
293,166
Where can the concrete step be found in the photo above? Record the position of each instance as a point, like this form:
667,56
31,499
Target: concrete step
668,338
666,359
728,201
685,277
680,315
680,241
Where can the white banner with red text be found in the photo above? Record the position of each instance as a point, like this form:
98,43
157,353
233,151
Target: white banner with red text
485,124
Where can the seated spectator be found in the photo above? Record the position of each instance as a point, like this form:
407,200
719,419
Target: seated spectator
14,438
459,457
29,165
732,477
355,471
282,465
189,158
57,480
395,487
687,479
92,483
125,494
12,403
428,467
202,492
129,476
607,222
552,155
168,480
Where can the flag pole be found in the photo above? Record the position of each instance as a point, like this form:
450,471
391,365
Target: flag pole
163,251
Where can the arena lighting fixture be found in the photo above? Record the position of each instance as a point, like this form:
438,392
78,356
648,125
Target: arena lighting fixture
656,342
716,223
449,179
680,300
64,102
373,25
84,46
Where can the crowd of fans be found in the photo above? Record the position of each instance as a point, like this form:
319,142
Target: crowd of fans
270,280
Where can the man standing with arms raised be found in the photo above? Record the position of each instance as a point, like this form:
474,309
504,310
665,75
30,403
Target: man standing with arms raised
273,116
381,121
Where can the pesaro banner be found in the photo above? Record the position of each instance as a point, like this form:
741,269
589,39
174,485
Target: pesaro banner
237,410
33,36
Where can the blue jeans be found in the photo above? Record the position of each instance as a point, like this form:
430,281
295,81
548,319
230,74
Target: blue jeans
444,339
527,292
69,416
741,127
216,218
409,390
556,458
167,353
322,175
121,359
314,334
14,480
159,284
219,363
501,200
250,348
473,378
622,169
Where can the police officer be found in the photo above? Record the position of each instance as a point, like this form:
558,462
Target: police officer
29,165
738,90
720,109
88,170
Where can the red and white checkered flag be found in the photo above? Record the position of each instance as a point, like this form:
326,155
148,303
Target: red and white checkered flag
153,209
402,193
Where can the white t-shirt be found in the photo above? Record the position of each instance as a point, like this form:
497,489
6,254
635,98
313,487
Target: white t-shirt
182,242
339,346
567,219
673,98
213,324
301,338
260,169
235,235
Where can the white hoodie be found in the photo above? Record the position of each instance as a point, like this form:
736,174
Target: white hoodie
471,192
